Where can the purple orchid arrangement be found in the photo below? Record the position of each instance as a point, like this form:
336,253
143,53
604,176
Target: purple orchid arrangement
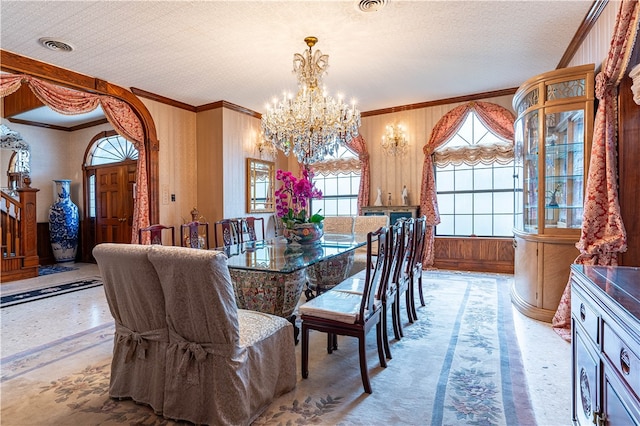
294,196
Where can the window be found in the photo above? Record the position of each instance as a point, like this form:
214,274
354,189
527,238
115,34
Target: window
474,183
111,149
338,177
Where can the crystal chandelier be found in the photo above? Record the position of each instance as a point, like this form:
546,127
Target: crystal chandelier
394,141
313,124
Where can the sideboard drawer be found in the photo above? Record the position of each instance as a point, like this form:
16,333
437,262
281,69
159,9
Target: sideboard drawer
584,314
621,357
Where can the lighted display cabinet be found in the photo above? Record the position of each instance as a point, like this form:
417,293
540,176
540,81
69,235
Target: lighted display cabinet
553,133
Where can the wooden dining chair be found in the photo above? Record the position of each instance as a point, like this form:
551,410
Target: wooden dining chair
350,314
230,232
155,234
386,294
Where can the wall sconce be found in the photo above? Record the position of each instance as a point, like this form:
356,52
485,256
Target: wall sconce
266,150
394,140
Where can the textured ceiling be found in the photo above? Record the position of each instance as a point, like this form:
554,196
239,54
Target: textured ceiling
198,52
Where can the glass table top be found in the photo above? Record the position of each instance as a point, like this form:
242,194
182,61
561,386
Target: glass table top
276,255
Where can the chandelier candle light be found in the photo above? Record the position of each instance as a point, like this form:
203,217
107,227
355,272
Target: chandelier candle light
313,124
394,141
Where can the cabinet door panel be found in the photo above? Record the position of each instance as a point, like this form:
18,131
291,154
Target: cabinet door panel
526,270
617,407
585,380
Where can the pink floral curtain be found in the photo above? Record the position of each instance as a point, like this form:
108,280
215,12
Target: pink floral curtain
496,118
359,146
120,115
603,235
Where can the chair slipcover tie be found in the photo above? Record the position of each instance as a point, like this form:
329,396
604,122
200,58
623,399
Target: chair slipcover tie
138,342
194,353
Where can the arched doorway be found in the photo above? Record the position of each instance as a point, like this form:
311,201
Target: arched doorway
16,64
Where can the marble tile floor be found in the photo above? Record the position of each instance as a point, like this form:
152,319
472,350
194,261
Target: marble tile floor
546,357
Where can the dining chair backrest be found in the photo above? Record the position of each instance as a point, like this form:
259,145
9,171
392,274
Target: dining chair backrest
230,232
375,282
248,229
364,224
407,250
338,224
395,249
419,240
136,302
155,234
195,235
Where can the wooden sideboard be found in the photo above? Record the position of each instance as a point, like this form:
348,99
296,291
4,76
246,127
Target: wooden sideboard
605,373
394,212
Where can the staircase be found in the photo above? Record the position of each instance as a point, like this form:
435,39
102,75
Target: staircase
18,236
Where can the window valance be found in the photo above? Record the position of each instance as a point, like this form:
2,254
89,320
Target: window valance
342,165
472,155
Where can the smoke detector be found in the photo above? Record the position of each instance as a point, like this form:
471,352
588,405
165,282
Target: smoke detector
371,5
56,45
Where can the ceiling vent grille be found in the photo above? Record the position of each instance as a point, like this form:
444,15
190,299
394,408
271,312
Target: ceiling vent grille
57,45
371,5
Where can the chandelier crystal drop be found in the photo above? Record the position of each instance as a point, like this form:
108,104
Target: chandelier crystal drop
312,124
394,141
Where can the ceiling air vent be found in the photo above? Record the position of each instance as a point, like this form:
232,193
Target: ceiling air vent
371,5
57,45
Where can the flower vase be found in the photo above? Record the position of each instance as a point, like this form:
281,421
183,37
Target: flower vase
304,233
64,223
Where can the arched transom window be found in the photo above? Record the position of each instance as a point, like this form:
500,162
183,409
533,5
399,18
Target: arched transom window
111,149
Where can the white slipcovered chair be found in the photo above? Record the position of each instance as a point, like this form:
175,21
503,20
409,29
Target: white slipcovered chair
136,302
364,225
338,224
224,365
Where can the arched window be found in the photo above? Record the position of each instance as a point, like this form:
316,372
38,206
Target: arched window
474,172
338,177
111,149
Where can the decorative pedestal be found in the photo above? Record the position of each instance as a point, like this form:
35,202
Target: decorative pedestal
64,223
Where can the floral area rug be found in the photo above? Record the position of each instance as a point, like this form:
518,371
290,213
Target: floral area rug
458,364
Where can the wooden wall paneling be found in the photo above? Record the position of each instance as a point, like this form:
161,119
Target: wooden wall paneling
20,101
44,244
628,160
474,254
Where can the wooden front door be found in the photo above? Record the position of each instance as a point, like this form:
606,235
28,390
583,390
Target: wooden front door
114,203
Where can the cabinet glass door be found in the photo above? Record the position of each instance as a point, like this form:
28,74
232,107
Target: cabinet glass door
564,169
530,172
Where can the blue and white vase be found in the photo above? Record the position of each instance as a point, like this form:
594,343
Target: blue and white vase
64,223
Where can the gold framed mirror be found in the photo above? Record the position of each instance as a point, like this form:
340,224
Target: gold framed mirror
260,186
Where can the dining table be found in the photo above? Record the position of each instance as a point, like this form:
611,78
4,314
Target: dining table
270,275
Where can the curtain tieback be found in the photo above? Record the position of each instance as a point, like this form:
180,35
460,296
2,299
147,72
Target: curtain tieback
603,85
